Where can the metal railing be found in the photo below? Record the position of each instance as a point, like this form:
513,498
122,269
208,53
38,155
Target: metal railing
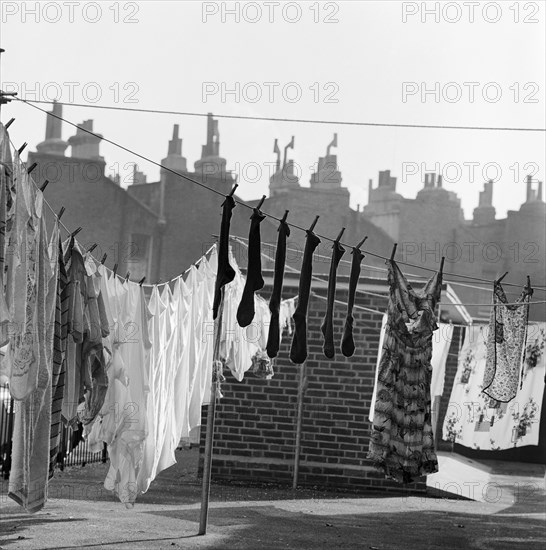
73,451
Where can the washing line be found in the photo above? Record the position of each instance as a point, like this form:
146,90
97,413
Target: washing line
286,119
291,224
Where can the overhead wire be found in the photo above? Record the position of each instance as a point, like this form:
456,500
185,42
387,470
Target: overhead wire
287,119
244,204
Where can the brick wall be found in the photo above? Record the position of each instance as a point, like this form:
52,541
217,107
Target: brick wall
256,420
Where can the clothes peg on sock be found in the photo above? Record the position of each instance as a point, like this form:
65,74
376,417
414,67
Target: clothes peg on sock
44,185
310,230
361,243
338,238
31,168
103,259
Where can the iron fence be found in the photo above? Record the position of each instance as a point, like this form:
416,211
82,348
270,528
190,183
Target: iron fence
73,450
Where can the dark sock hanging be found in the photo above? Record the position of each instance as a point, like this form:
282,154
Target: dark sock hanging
347,341
225,273
327,326
254,279
274,336
298,350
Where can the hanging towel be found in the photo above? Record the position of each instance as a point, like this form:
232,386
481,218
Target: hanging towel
347,340
327,326
225,273
254,279
298,350
379,355
274,337
402,443
506,344
440,348
59,352
31,434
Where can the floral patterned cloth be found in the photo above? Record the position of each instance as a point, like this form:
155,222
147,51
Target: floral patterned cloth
402,443
506,344
479,422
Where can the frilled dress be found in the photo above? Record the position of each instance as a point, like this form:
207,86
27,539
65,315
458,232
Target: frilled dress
402,442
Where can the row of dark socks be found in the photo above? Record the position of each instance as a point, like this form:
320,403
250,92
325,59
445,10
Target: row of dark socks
255,282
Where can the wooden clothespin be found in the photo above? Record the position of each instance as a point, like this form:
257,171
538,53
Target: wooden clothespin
260,203
75,232
497,281
529,285
310,230
115,270
9,123
32,166
340,235
92,247
22,148
393,251
141,281
127,276
357,247
44,185
285,216
442,264
104,259
231,192
361,242
61,212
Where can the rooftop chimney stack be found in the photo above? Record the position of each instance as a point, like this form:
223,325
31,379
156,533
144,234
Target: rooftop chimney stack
85,144
327,175
211,164
485,212
174,159
53,143
284,178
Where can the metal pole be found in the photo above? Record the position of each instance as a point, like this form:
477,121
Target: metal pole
299,421
211,413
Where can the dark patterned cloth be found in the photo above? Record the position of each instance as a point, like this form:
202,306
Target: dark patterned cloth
506,344
402,443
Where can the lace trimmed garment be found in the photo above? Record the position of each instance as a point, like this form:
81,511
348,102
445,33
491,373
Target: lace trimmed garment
505,344
402,443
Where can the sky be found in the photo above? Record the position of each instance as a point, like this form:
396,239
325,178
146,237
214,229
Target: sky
426,63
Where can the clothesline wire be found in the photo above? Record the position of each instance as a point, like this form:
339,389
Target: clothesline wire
294,270
377,268
291,224
58,220
369,266
286,119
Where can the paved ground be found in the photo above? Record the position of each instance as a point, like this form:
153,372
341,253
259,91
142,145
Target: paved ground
81,514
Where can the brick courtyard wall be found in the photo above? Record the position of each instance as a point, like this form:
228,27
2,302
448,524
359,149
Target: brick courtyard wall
254,438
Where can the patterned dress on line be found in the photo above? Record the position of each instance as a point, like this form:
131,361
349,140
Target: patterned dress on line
402,442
